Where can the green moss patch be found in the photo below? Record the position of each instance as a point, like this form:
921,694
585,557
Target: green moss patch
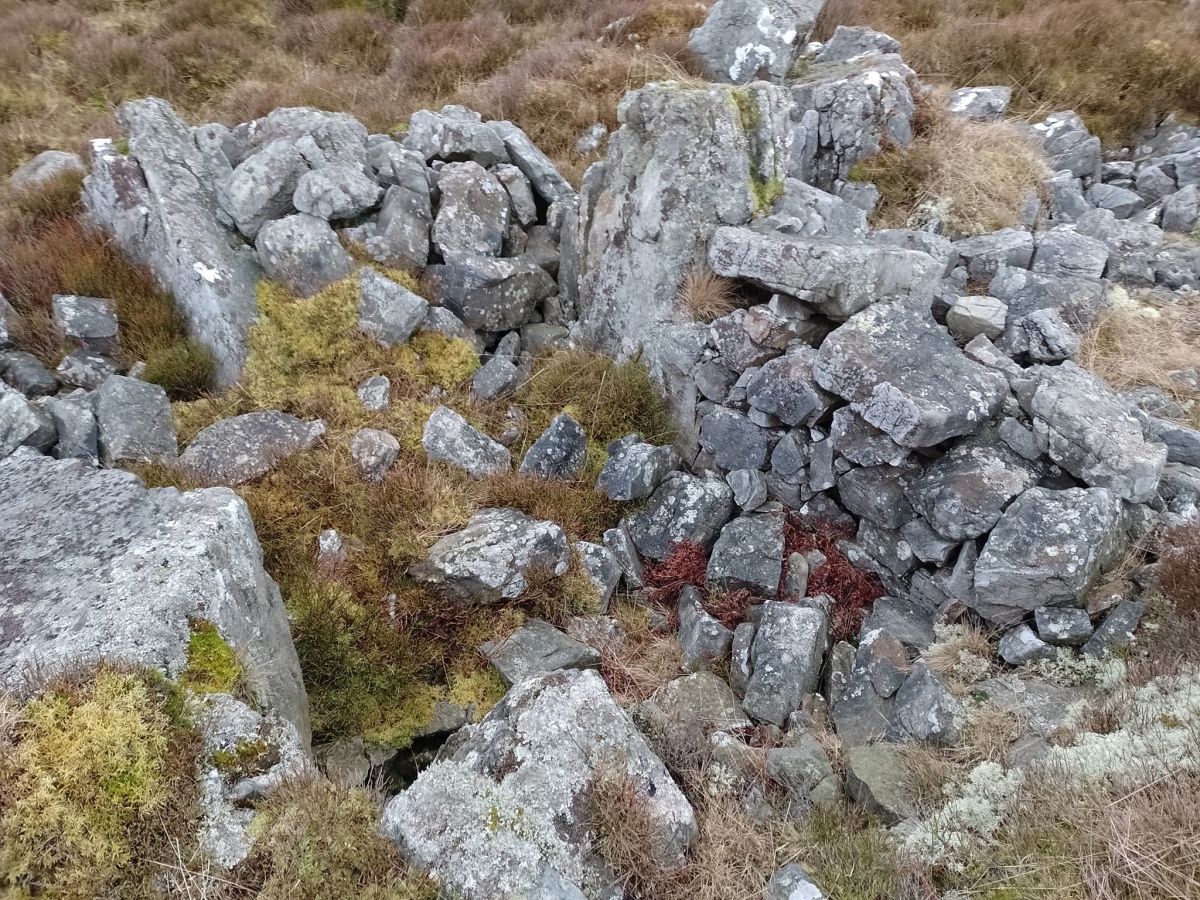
212,665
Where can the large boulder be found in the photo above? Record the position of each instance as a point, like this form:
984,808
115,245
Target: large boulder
504,812
95,566
905,376
1048,549
742,40
489,560
836,276
261,187
160,205
242,448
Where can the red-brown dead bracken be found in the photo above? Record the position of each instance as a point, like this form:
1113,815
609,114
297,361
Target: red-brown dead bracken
852,590
686,564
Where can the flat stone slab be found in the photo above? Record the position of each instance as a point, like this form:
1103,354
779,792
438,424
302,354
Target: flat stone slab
242,448
535,648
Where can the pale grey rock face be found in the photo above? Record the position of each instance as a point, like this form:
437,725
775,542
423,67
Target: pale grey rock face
592,139
807,211
1069,146
242,448
87,322
735,441
1121,201
878,494
704,640
748,338
600,565
786,658
160,205
905,376
1022,645
373,452
1183,443
520,195
862,443
792,882
402,233
473,214
972,316
262,187
984,254
1048,549
1064,252
1058,625
335,192
75,426
741,40
1091,434
388,311
25,372
135,422
877,778
849,41
1132,245
703,699
83,369
785,388
1064,195
635,470
536,648
374,393
620,544
749,554
44,168
963,494
129,591
18,421
837,277
449,438
495,378
559,452
302,253
1181,211
1153,184
749,488
1079,300
341,138
534,164
505,804
454,134
487,561
684,508
444,322
1042,336
926,711
394,165
493,294
902,620
1116,631
982,104
8,319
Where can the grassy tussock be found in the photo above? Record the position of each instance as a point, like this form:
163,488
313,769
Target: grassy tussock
705,296
985,171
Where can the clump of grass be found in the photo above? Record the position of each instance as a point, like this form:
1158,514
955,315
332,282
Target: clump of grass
212,665
641,662
705,295
582,511
961,654
98,780
1179,563
314,840
185,370
983,171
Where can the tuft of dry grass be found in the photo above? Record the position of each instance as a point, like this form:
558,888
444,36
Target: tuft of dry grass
1141,342
705,296
984,171
1179,569
635,667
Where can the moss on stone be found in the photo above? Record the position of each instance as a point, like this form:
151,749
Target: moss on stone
212,665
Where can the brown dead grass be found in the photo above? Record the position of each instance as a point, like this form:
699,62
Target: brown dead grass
985,171
705,296
1119,63
638,665
1179,569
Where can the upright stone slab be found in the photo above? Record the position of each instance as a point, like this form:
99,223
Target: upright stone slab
742,40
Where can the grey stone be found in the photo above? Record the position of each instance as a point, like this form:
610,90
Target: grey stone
159,205
1058,625
87,322
1116,631
449,438
837,277
75,427
735,441
1079,300
806,211
963,494
402,233
373,452
505,803
1153,184
739,657
795,581
905,376
1021,645
876,778
636,470
135,422
1183,443
749,488
345,763
849,41
902,620
1064,194
335,192
702,638
559,452
129,591
740,41
981,104
618,542
786,657
454,134
592,139
1181,211
1048,549
8,320
971,316
1091,434
746,339
394,165
493,294
985,254
600,565
1042,336
701,700
880,550
19,421
444,322
862,443
1122,202
1046,707
538,336
1132,245
261,187
543,248
535,648
749,554
877,494
473,214
520,195
302,253
800,767
83,369
498,377
785,388
239,449
1064,252
1069,146
791,882
487,561
926,711
25,372
46,167
533,163
340,137
374,393
926,544
683,508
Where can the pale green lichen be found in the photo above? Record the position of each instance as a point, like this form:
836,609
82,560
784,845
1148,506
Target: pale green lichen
1072,670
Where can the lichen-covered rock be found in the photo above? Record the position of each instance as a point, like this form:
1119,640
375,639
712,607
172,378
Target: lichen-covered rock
684,508
25,372
905,376
242,448
401,236
507,803
372,452
786,658
1079,300
559,452
601,566
926,711
45,168
982,104
971,316
454,134
1021,645
791,882
1066,626
488,560
533,163
449,438
335,192
135,422
702,638
877,778
1048,549
302,253
87,322
375,393
75,427
498,377
635,469
836,276
473,214
742,40
131,589
701,699
493,294
18,421
785,388
535,648
734,441
749,554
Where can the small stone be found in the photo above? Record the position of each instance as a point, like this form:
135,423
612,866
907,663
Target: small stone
635,470
374,393
387,311
1116,631
971,316
498,377
590,140
135,422
601,567
701,700
735,441
981,104
535,648
800,767
876,778
19,421
1067,626
241,448
788,652
704,640
87,322
373,452
618,542
449,438
83,369
1021,645
335,192
748,555
683,508
749,488
559,453
302,253
795,584
25,372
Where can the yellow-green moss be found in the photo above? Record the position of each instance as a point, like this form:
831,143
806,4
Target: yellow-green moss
213,666
448,362
766,193
246,759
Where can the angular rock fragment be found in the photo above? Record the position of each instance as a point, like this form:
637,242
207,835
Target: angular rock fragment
635,470
302,253
493,294
559,452
926,711
785,388
449,438
786,658
388,311
373,452
135,422
88,322
473,214
1063,625
684,508
704,640
537,647
735,441
740,41
749,555
242,448
601,566
1021,645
